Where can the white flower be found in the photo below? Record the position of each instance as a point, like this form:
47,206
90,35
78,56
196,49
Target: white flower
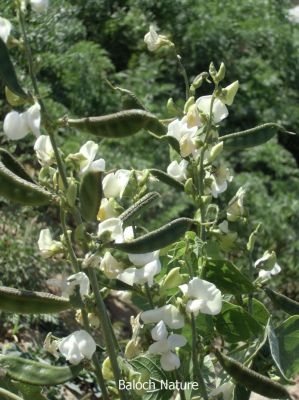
155,41
112,227
106,210
77,346
44,150
139,276
168,314
223,226
128,234
91,260
204,297
47,245
80,279
114,184
89,151
39,6
166,345
294,14
178,170
16,126
235,208
143,259
226,390
122,295
220,178
5,29
267,261
110,266
265,274
184,135
219,111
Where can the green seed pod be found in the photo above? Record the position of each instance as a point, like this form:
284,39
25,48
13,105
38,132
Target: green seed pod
252,380
157,239
283,302
13,99
165,178
129,100
19,190
90,194
121,124
139,207
7,72
37,373
27,302
13,165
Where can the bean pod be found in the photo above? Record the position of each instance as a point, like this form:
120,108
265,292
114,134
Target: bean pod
37,373
27,302
283,302
252,380
165,178
90,194
157,239
19,190
7,72
121,124
13,165
139,207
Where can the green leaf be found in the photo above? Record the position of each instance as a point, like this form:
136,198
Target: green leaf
288,339
167,179
283,302
236,325
151,364
259,311
274,349
7,72
226,276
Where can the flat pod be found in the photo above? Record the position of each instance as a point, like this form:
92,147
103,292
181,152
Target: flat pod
250,137
283,302
27,302
90,195
252,380
7,72
121,124
157,239
37,373
19,190
139,207
165,178
13,165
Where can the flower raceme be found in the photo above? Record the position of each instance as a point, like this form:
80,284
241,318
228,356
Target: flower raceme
17,125
77,346
202,296
5,29
165,345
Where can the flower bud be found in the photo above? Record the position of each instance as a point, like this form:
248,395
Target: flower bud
221,73
171,107
212,71
107,370
71,194
155,41
188,103
93,320
215,151
189,187
173,279
132,349
228,94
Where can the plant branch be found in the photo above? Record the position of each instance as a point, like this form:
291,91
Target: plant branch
255,129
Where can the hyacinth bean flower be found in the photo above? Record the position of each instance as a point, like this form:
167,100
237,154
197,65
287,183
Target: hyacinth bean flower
5,29
178,170
39,6
219,110
267,265
148,266
77,346
165,345
17,125
67,285
47,246
110,266
114,184
88,152
169,314
203,297
44,150
235,208
154,41
220,178
184,135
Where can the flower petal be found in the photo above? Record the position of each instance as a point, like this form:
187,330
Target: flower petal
170,361
159,332
175,341
15,126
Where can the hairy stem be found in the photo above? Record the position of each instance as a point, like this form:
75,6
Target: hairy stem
252,130
8,395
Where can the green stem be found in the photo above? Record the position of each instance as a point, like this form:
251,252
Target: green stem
179,378
197,372
104,320
9,395
149,295
251,273
183,72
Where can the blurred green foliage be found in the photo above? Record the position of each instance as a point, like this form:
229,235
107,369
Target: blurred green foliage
79,45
